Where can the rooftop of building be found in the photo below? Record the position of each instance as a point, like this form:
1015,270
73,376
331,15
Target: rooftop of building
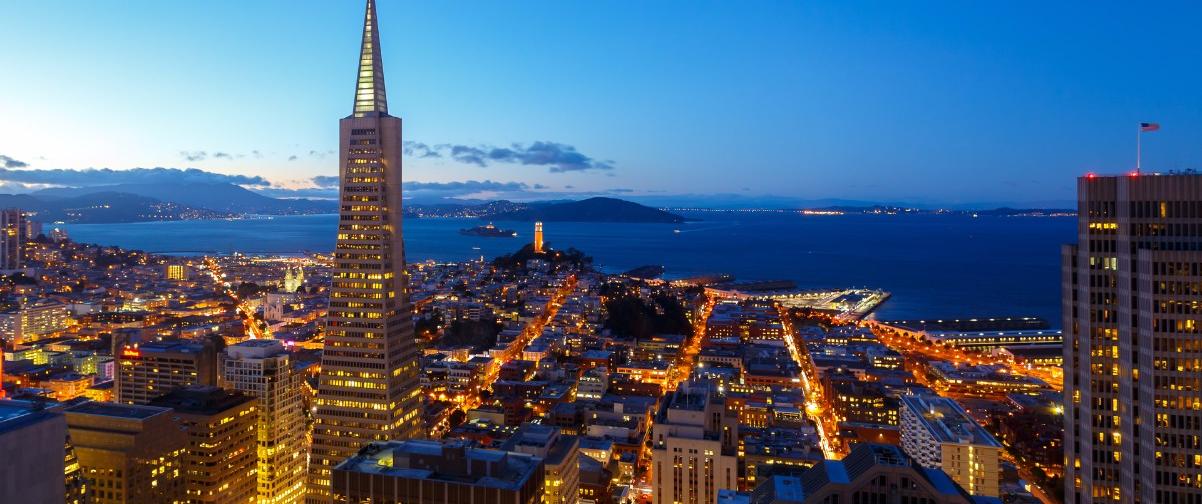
171,346
203,400
947,421
866,456
787,488
973,324
596,443
15,414
728,496
116,410
255,348
449,460
549,442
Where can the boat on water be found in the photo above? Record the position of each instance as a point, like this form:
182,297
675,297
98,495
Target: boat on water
489,231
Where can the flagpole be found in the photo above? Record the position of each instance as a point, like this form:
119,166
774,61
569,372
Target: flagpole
1139,135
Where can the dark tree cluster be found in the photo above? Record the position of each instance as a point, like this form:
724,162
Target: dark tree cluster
630,315
572,258
250,289
480,334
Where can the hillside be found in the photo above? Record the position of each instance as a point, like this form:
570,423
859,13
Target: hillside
221,197
105,207
589,210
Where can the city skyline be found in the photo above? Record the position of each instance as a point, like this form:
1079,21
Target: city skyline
207,333
934,104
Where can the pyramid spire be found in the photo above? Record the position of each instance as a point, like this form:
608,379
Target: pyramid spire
369,89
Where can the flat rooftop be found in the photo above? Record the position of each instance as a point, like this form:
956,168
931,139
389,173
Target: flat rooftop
453,461
16,414
116,410
947,421
973,324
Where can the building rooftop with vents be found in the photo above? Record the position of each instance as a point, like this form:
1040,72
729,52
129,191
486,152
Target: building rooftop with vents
453,461
947,422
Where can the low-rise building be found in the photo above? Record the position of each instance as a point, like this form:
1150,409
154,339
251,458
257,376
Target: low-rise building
560,454
447,472
938,433
128,453
870,473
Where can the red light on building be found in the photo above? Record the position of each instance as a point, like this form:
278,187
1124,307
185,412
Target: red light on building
1091,175
131,352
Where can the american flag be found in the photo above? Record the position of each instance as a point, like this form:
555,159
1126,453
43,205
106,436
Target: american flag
1149,126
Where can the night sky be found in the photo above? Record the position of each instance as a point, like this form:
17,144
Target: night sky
922,102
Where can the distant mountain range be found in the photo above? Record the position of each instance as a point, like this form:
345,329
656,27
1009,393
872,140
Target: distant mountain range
106,207
153,202
184,201
586,210
220,197
200,200
589,210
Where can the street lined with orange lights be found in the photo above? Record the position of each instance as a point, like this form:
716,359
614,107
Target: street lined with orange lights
531,331
814,407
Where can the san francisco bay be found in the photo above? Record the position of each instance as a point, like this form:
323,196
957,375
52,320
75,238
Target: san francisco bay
936,266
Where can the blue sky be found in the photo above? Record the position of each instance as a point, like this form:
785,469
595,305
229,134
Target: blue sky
925,102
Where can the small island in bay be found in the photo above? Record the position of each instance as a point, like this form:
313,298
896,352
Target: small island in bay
489,231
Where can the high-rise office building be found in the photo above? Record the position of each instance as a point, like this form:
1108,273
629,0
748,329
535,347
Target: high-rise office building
938,433
145,371
176,271
263,369
12,232
219,463
694,446
368,388
1132,343
538,237
128,454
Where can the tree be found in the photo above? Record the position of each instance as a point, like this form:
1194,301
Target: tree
457,418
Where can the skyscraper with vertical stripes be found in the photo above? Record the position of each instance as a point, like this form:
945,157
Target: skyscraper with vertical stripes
1132,287
368,388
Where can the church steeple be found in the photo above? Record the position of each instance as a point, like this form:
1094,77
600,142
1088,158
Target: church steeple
370,99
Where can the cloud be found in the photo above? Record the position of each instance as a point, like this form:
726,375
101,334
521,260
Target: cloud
325,181
557,157
8,162
420,150
194,156
464,188
327,186
107,176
